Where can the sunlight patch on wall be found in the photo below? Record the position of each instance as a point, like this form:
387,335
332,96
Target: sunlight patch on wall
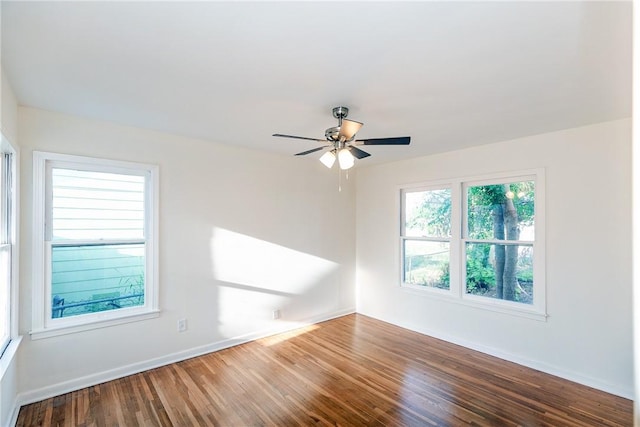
244,260
258,281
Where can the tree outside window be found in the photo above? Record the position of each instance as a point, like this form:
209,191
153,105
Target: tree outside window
499,241
475,240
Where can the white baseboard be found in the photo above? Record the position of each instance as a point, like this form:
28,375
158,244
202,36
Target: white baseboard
37,395
576,377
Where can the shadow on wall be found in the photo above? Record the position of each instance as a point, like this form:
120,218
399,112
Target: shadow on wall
260,281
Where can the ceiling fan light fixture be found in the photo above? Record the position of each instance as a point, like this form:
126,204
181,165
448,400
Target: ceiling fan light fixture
345,159
328,159
348,129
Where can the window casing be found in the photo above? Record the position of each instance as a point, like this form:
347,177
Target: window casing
95,251
496,251
7,241
426,237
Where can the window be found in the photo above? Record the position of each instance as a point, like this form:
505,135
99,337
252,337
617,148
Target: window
7,240
499,240
426,237
97,247
474,240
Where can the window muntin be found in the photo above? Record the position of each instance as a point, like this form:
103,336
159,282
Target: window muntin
491,262
98,254
426,233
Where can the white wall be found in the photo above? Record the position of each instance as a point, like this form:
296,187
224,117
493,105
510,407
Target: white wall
241,233
8,110
588,334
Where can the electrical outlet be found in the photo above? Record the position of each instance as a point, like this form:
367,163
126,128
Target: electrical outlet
182,325
276,314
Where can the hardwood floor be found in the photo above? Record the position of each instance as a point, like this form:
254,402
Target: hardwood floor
351,371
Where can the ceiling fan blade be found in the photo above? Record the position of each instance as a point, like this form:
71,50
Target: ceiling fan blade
297,137
401,140
357,153
348,129
313,150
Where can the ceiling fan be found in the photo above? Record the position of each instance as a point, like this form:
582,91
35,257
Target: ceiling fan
342,143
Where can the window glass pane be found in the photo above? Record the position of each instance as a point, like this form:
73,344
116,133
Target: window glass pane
428,213
6,247
500,271
501,212
95,205
5,197
3,202
426,263
88,279
5,294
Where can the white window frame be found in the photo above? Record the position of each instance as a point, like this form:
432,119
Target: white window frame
455,235
457,281
9,233
43,325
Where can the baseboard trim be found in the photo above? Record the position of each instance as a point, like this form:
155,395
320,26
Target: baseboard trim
37,395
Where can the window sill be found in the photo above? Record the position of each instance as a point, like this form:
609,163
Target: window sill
497,306
8,355
55,331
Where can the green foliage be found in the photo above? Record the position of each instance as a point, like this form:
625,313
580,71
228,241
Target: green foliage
486,201
433,214
427,270
445,274
480,202
523,201
486,195
525,276
480,274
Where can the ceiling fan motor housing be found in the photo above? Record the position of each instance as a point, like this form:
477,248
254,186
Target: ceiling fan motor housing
332,134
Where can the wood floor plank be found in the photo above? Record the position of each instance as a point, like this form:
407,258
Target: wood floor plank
350,371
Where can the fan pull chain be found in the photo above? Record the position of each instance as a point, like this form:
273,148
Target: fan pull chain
346,174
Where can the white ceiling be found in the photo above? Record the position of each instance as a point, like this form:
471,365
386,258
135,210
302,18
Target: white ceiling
449,74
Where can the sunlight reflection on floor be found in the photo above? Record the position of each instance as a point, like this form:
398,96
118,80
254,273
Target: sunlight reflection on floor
276,339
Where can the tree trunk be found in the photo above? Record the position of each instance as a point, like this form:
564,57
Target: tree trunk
498,234
511,251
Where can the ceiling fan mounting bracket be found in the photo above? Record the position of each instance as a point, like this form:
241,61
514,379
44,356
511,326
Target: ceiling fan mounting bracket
340,112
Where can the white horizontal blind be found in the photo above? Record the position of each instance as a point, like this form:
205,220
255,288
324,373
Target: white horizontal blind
88,205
